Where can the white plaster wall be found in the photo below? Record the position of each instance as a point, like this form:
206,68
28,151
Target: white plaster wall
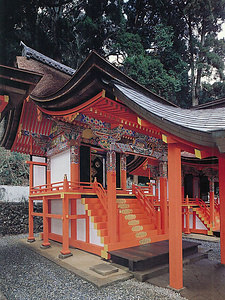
60,165
56,224
13,193
81,223
199,224
94,238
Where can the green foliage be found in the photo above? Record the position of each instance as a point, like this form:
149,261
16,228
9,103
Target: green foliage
13,169
177,38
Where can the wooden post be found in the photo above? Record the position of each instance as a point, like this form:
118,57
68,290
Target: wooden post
212,202
31,177
45,243
48,179
222,207
175,217
65,252
31,222
123,172
111,192
187,231
163,196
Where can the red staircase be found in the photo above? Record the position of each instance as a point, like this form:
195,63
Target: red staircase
203,213
135,224
137,218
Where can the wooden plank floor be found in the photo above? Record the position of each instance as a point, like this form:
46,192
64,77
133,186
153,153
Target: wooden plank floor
149,255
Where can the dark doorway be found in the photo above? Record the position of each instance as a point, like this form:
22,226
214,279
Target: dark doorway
85,163
118,171
204,188
188,185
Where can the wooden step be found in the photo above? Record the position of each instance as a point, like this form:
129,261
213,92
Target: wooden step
137,228
138,235
150,255
147,274
93,212
96,219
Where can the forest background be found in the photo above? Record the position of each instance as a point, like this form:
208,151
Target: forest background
170,46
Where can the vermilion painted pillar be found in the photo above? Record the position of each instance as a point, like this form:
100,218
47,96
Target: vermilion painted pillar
45,243
222,207
111,192
74,162
48,179
212,202
123,172
163,195
175,217
65,252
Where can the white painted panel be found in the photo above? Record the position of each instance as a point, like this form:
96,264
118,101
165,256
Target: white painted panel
39,172
94,238
199,224
81,230
191,221
38,159
80,207
60,165
56,224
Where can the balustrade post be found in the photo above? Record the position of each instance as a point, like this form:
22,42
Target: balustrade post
31,222
65,184
65,252
45,243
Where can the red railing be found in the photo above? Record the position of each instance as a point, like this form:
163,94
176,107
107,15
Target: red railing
62,186
147,201
217,205
101,193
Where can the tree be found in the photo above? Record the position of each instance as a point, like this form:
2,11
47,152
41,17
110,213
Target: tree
13,168
203,21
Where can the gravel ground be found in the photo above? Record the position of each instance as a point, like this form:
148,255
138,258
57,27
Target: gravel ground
27,275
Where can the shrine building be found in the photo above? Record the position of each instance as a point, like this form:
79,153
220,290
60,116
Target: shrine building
114,164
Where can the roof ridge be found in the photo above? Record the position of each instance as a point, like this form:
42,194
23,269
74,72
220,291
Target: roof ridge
31,53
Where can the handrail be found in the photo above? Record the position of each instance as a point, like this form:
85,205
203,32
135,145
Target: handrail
146,201
101,193
217,206
60,186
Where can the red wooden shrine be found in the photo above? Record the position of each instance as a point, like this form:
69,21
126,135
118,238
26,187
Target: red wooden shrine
114,164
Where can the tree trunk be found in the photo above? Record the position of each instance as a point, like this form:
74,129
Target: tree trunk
200,60
192,63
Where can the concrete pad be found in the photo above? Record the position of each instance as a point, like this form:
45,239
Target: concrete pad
104,269
202,237
203,280
79,263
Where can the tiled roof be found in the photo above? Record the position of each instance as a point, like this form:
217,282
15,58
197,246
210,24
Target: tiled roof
31,53
200,120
